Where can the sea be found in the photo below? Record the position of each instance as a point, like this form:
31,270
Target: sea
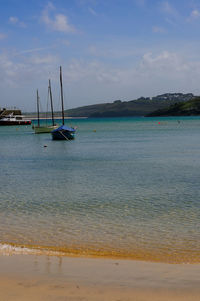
123,188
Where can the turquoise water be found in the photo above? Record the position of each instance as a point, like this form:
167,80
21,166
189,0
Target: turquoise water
125,187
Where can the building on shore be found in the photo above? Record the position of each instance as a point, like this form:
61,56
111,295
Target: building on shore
4,112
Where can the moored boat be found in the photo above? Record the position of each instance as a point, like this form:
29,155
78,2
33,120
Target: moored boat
63,132
44,129
41,129
12,119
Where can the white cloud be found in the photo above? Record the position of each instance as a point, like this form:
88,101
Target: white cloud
165,65
164,59
195,14
21,76
24,69
93,70
13,20
61,24
152,74
57,22
8,70
17,22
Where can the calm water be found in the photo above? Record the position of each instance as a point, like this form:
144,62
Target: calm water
125,187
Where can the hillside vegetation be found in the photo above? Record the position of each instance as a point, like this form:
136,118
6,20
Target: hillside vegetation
189,108
139,107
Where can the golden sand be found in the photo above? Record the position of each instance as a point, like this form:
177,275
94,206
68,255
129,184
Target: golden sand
28,277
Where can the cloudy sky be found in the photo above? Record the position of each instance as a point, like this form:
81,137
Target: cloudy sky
108,49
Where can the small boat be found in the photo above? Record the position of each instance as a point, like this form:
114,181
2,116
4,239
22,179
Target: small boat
12,119
63,132
41,129
44,129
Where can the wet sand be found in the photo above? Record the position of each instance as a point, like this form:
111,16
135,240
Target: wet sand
29,277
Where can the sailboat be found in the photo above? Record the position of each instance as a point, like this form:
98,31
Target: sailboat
40,129
63,132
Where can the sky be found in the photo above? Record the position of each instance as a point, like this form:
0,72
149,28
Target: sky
108,50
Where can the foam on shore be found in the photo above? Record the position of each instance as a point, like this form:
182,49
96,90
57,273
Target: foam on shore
141,255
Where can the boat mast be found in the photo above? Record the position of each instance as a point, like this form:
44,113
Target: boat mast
61,88
50,93
38,114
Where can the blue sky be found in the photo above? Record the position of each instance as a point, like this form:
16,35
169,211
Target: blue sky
108,50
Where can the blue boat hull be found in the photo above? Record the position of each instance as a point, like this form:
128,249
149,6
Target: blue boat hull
62,135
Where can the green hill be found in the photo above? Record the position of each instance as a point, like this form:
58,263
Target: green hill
189,108
139,107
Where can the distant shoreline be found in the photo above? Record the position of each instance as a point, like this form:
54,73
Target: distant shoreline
49,118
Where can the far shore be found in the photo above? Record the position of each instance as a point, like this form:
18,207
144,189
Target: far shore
49,118
33,277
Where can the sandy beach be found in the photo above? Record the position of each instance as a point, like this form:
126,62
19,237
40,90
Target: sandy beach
29,277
